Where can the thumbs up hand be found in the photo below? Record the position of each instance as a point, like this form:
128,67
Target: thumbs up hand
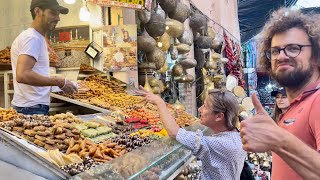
260,133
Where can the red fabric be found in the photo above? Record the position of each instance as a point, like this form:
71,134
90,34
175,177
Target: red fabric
234,66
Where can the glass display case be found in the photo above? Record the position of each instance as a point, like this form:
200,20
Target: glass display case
158,160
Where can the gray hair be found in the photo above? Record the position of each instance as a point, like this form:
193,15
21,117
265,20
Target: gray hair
226,102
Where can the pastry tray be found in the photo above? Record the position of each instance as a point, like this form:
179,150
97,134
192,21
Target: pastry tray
19,152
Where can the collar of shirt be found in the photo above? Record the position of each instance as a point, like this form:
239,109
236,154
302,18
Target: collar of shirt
307,92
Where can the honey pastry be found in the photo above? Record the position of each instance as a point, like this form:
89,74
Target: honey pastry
98,154
92,150
60,136
39,128
75,131
69,133
106,157
41,133
29,138
50,141
29,132
83,154
82,144
41,138
49,147
39,143
18,129
58,130
62,147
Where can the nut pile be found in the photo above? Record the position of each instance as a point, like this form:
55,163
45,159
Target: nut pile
121,127
77,168
131,142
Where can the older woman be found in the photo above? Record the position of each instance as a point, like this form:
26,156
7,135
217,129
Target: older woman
221,154
282,103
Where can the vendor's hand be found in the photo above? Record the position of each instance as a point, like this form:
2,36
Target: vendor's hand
260,133
69,87
149,97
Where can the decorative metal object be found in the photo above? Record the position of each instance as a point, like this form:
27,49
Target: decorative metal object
186,37
173,52
174,27
156,56
164,42
188,63
183,48
161,12
144,16
204,42
146,43
177,70
168,5
181,12
198,21
156,26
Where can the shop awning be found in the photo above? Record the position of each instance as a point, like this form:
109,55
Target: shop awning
254,13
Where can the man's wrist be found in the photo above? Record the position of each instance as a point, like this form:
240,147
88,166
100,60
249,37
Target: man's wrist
57,81
283,139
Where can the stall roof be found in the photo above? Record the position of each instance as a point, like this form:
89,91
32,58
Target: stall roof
253,14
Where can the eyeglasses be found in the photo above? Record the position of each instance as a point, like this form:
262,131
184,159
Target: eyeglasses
290,50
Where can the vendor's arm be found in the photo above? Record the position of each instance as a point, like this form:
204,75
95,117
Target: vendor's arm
165,115
261,134
25,75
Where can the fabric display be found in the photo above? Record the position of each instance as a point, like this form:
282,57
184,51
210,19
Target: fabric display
234,66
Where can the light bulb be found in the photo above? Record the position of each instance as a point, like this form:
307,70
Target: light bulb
159,44
69,1
84,14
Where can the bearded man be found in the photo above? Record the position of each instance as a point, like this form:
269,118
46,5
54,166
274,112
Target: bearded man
290,48
30,61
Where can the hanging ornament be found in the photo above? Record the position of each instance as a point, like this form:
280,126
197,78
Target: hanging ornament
174,28
173,52
177,70
144,16
164,42
146,43
186,37
156,26
156,56
147,86
179,106
181,12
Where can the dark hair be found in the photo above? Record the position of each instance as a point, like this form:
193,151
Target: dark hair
283,20
33,14
276,113
224,101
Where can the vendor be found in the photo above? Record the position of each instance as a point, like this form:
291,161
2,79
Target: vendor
221,154
282,103
30,61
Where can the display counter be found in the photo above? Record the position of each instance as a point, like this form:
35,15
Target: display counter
157,160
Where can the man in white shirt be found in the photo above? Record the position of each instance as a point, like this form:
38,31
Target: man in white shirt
30,61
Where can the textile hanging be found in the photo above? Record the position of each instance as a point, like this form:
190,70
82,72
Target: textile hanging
234,66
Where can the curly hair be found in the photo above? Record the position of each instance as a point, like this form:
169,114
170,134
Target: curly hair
283,20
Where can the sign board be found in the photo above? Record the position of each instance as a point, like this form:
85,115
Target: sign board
133,4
